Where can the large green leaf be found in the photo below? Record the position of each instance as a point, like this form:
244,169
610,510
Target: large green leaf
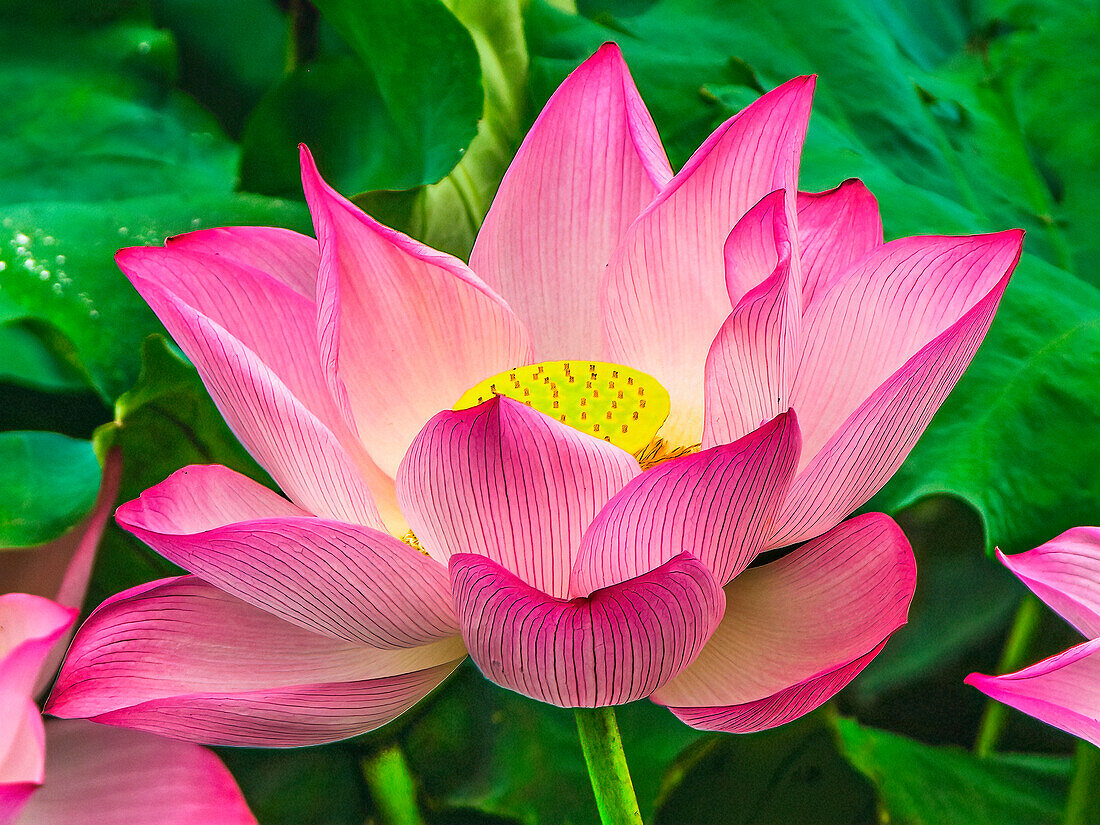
48,482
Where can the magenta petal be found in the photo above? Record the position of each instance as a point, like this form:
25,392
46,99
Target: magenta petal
404,330
617,645
1063,691
717,504
835,228
287,256
1065,573
341,580
798,629
122,777
665,295
510,483
591,162
181,658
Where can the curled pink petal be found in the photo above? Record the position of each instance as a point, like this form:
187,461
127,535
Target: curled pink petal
835,229
717,504
614,646
591,163
341,580
510,483
1065,573
404,330
182,658
798,629
665,294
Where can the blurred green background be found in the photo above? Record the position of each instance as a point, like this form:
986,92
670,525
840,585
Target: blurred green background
123,122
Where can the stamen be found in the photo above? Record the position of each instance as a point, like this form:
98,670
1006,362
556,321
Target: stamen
410,539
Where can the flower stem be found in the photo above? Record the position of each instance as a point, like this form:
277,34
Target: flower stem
1085,764
1012,657
603,753
392,786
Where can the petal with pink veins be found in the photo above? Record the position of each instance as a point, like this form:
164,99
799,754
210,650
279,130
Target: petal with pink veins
664,296
181,658
717,504
835,229
798,629
510,483
111,776
614,646
341,580
1063,691
404,330
590,164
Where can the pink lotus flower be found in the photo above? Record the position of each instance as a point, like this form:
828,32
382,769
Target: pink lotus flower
1064,690
309,619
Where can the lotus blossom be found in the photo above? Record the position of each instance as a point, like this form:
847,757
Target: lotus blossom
720,291
1064,690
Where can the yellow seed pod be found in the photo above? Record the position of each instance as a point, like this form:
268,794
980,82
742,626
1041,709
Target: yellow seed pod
610,401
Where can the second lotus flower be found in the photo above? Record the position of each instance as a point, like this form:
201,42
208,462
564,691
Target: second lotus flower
567,572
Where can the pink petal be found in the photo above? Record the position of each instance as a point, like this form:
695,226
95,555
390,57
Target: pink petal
589,165
717,505
22,754
303,455
404,330
340,580
510,483
665,295
182,658
289,257
928,302
1065,573
835,229
750,365
612,647
29,627
110,776
798,629
1063,691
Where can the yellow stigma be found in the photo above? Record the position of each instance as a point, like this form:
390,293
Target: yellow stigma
609,401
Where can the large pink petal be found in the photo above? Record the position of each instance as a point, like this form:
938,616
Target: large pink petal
750,365
665,295
510,483
1065,573
1063,690
22,755
796,630
717,505
303,455
341,580
835,228
110,776
615,646
287,256
182,658
404,330
589,165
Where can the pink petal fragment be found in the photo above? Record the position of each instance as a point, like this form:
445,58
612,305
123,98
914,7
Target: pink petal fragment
589,165
29,627
1065,573
797,629
181,658
1063,691
404,330
289,257
510,483
717,504
615,646
303,455
665,295
340,580
835,228
110,776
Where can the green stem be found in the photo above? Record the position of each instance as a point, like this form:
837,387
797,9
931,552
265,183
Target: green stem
1012,658
603,753
1085,764
392,786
